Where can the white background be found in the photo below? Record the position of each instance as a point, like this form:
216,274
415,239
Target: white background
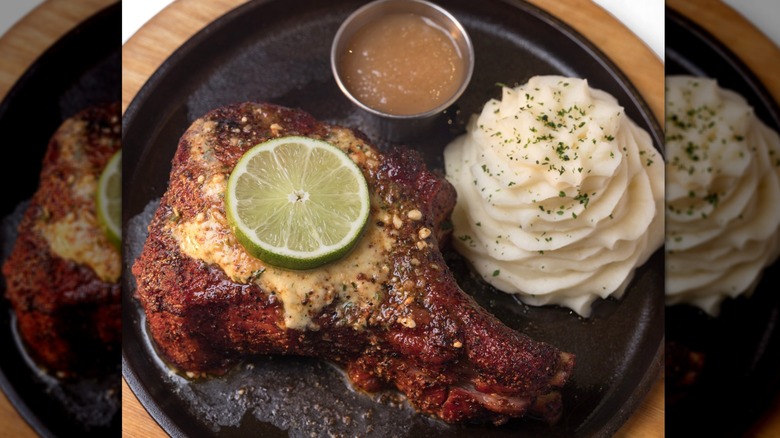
644,17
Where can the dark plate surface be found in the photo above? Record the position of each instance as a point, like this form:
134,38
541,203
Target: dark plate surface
278,51
742,346
81,69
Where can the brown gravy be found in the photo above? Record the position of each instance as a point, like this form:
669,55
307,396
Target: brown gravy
402,64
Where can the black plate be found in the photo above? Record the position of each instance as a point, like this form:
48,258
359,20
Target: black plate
82,68
742,346
278,51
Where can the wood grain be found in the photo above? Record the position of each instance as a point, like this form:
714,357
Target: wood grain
136,422
37,31
156,40
20,46
762,57
729,27
161,36
11,424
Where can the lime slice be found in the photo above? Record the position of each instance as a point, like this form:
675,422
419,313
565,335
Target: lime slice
296,202
109,199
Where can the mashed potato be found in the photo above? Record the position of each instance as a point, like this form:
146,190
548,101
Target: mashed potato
723,194
560,194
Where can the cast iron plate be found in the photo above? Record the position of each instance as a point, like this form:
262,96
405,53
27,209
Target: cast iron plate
742,346
83,68
278,51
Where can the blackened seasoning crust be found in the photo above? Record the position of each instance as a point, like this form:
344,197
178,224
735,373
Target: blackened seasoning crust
62,276
390,313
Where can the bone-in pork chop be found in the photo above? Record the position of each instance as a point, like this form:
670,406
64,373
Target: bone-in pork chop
62,277
389,312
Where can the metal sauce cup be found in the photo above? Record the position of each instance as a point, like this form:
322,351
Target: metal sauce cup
394,127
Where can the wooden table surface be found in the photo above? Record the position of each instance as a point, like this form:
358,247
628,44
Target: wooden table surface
156,40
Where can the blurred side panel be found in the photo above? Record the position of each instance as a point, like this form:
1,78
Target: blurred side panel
723,329
57,57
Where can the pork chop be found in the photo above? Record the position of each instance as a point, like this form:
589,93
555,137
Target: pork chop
62,276
390,312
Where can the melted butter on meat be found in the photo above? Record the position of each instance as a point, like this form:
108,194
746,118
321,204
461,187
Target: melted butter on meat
77,236
353,285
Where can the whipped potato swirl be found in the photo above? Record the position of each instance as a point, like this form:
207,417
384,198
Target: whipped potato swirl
722,194
560,194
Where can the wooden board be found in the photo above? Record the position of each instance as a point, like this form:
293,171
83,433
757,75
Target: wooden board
23,43
762,57
748,43
20,46
165,32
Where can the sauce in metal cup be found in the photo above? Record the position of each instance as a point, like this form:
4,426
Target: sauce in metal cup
404,61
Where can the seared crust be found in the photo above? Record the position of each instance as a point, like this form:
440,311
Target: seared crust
68,317
426,337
